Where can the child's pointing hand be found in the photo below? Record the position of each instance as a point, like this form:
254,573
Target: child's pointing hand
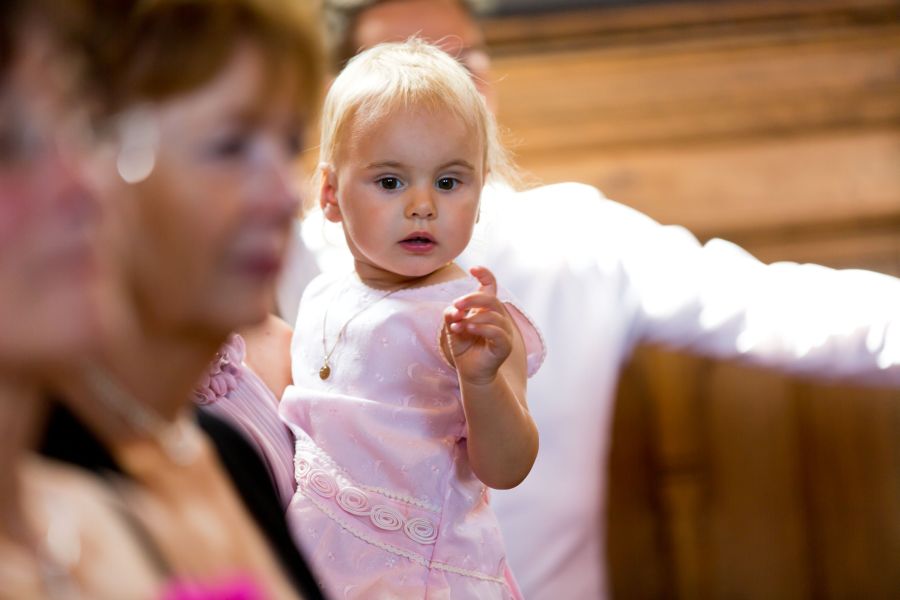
480,331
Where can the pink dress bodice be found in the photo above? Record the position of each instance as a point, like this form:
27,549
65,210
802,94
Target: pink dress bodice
386,504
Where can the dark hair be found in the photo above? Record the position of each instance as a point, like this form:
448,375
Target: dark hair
61,19
151,50
9,16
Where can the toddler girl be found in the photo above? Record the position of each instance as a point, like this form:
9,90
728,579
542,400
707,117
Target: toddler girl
409,374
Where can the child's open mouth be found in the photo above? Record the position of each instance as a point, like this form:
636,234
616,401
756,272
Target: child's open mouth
418,242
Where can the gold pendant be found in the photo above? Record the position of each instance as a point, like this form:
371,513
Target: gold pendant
324,372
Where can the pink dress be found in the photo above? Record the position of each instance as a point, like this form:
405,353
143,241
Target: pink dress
387,505
232,391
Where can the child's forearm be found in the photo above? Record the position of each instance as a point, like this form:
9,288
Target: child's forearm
503,439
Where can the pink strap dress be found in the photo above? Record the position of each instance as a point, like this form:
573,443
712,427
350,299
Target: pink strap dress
232,391
387,505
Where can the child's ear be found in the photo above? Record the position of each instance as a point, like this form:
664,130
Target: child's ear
328,194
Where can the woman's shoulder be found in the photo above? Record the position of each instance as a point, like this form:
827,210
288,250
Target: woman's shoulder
60,496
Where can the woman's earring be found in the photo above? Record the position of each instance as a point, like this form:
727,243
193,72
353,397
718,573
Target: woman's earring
138,144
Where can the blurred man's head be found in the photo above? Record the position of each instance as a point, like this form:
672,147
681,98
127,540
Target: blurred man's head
451,24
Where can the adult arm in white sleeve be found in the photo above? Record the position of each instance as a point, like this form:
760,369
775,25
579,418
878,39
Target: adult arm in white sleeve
718,300
300,267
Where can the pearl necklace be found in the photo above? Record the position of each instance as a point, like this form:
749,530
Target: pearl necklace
175,439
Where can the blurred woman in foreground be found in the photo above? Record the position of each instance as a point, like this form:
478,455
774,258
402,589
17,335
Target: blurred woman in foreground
60,533
206,103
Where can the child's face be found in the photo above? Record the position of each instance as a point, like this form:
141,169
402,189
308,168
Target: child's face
406,188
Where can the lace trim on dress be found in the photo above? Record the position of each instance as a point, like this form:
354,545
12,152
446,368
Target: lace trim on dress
417,558
349,481
356,502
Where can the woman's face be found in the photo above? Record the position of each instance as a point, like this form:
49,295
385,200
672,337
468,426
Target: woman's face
53,281
207,179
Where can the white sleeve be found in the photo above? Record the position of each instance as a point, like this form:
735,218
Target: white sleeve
716,299
299,269
316,247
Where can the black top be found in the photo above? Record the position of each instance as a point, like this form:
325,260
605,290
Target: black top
66,439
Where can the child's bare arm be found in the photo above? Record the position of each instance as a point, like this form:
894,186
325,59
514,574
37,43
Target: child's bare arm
269,353
489,354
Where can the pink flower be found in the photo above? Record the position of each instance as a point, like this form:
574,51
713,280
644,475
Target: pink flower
223,374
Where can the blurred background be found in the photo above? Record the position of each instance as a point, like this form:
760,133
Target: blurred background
774,124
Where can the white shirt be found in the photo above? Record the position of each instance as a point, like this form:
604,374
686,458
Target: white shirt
598,278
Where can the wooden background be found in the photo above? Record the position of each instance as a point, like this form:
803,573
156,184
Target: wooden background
775,125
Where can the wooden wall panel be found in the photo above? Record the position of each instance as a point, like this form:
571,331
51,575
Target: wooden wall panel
852,447
752,484
757,543
641,555
730,190
725,117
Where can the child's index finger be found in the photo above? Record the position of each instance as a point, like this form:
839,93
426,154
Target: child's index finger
486,279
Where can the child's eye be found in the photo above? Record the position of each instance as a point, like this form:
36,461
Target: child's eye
447,183
389,183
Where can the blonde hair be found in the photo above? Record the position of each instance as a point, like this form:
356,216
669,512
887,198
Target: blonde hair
403,76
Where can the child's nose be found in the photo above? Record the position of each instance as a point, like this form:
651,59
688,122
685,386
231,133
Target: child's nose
421,206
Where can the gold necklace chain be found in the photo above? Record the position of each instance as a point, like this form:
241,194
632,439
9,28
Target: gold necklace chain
325,370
